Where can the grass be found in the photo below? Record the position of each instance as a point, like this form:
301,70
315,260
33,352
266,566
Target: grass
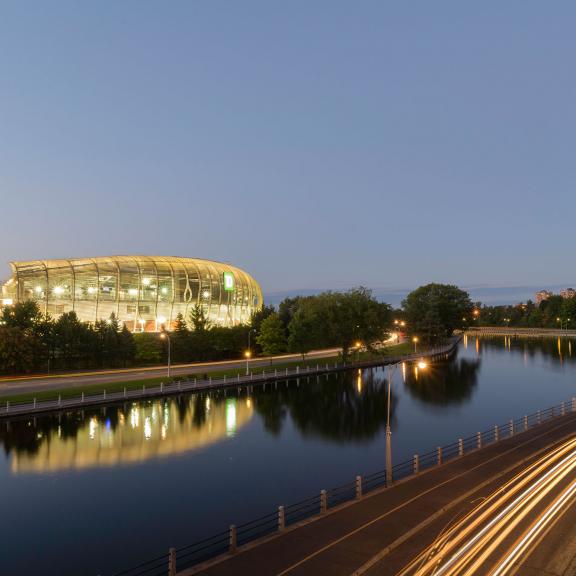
98,389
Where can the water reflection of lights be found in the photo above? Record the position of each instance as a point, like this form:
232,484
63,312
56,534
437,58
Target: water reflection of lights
404,372
92,426
147,428
465,341
359,382
231,417
134,417
103,440
207,403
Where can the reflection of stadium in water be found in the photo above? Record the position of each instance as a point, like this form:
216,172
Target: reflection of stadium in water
133,434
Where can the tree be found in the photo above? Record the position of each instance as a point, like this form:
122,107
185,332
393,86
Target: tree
17,350
272,337
198,319
434,311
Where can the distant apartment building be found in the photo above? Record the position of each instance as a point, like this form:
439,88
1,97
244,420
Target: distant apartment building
543,295
568,293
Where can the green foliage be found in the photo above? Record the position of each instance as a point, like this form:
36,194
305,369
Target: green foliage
434,311
337,319
556,312
148,348
198,320
272,336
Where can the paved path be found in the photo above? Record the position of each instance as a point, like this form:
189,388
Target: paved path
20,385
379,534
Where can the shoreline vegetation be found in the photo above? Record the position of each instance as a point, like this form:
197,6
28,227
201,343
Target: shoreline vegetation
404,348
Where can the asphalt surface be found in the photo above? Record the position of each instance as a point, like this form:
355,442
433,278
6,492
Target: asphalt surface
384,532
9,386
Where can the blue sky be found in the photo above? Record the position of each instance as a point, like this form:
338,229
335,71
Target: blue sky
317,144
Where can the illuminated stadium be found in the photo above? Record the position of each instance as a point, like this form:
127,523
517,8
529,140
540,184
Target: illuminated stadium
146,293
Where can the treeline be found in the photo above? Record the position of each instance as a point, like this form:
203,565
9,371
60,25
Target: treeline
33,342
556,312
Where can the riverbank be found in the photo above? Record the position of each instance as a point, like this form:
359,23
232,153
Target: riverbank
24,405
513,331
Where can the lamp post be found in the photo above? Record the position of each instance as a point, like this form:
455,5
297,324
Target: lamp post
358,346
247,355
415,340
164,336
388,429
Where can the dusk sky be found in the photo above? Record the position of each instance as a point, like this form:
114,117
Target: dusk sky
316,144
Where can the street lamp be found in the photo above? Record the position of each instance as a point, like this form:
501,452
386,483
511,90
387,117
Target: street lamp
358,346
415,340
164,336
247,354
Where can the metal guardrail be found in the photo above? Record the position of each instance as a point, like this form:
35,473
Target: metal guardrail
228,541
9,409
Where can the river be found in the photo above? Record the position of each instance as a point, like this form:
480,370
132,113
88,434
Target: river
93,492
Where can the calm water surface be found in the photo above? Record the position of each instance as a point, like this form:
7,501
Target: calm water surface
92,493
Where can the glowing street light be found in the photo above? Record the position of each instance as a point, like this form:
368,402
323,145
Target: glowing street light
415,340
164,336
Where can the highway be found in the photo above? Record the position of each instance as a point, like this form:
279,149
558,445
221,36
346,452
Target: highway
497,536
23,384
505,509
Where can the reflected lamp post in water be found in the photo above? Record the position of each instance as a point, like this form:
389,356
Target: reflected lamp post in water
391,370
164,336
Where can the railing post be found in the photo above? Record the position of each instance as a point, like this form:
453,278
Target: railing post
563,409
104,395
124,391
172,562
297,369
82,400
34,402
233,539
525,423
281,518
439,455
460,447
224,378
286,370
323,501
496,433
7,406
538,418
511,427
478,439
573,404
416,463
358,487
161,386
59,399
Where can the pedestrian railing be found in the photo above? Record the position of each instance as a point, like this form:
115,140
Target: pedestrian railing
58,403
228,541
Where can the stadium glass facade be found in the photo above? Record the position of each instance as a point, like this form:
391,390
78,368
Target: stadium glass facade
146,293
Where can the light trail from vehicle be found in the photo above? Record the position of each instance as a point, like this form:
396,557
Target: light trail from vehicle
529,504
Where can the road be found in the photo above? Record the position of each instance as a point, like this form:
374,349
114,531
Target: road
19,385
493,511
499,535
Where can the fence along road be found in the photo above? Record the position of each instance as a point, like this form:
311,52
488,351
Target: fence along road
354,527
8,409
